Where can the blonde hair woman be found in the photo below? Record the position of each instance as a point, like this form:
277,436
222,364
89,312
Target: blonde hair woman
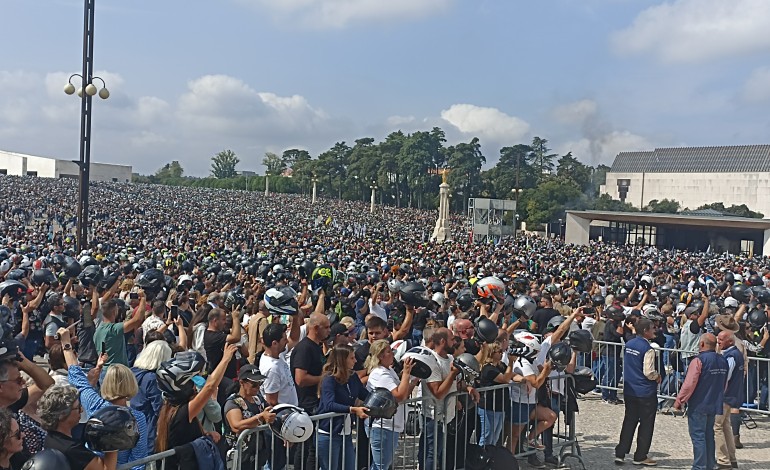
148,399
491,406
118,387
384,433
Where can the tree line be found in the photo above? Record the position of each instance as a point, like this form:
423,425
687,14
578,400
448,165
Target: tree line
405,170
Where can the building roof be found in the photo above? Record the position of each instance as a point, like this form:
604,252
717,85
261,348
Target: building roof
675,219
706,212
731,159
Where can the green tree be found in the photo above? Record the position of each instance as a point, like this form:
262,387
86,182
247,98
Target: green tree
605,203
664,206
738,211
223,164
550,198
570,167
540,157
273,164
465,161
290,157
388,174
334,163
171,170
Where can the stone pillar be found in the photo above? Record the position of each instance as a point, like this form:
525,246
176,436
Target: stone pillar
267,184
371,205
312,201
443,232
765,244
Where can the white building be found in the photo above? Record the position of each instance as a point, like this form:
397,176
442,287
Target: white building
19,164
693,176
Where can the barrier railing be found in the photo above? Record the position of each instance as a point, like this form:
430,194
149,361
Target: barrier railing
152,460
607,366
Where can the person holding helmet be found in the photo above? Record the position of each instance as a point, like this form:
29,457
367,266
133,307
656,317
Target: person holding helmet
491,409
384,433
340,389
109,336
182,403
640,389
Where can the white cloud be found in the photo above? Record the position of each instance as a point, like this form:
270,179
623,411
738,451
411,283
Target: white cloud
397,121
323,14
685,31
485,122
757,86
575,112
604,148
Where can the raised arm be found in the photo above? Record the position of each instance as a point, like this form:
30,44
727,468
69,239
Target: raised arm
138,315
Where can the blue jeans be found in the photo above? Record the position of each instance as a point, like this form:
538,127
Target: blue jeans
491,426
701,427
610,378
670,344
336,452
384,443
432,438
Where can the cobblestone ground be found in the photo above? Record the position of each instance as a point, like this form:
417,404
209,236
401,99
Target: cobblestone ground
598,426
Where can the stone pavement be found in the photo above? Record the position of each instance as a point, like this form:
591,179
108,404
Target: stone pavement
598,426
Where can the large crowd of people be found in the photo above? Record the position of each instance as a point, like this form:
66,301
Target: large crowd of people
209,313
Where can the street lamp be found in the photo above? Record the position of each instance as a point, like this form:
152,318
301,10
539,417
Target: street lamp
86,91
559,229
315,181
373,187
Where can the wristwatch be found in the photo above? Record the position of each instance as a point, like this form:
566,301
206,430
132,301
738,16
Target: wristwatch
67,347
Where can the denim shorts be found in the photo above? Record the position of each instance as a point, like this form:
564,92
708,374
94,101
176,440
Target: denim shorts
520,412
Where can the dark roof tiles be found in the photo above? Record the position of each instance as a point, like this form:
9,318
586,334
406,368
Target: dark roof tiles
732,159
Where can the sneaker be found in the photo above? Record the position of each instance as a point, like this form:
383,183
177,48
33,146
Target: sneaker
738,444
535,462
648,461
535,444
620,460
552,460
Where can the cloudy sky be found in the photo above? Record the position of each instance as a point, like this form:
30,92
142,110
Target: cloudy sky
190,78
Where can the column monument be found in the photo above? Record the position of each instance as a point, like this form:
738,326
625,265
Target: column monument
443,232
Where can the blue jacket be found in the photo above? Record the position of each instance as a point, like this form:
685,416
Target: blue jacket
734,392
207,454
635,383
338,398
148,400
710,391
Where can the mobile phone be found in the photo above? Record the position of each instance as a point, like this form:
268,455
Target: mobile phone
104,348
133,295
174,312
589,310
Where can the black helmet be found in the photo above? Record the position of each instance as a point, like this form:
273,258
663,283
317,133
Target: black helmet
43,276
597,300
91,275
486,330
521,284
306,269
71,307
581,340
763,295
469,367
282,301
71,267
757,318
665,290
741,293
380,403
525,306
414,294
151,280
175,375
109,280
560,355
729,277
436,286
322,277
755,280
111,428
47,459
554,323
465,300
234,298
585,381
14,289
16,275
9,349
226,276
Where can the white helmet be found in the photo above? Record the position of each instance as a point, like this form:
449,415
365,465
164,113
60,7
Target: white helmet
184,278
424,361
399,348
291,423
738,278
528,339
438,297
394,285
731,302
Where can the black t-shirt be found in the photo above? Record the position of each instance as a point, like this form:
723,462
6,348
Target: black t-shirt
492,399
309,356
77,454
180,432
361,352
214,343
542,317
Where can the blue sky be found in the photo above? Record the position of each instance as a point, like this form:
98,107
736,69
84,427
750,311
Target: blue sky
190,78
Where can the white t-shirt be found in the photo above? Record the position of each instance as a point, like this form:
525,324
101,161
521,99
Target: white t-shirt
151,323
197,343
523,392
588,323
388,379
278,379
377,309
438,375
557,386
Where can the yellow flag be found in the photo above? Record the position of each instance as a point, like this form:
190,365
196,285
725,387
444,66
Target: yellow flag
329,220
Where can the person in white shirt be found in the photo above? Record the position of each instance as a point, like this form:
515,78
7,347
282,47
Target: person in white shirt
278,386
156,321
384,433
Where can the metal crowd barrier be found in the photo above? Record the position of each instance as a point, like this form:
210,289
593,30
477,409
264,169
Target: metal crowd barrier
150,461
607,366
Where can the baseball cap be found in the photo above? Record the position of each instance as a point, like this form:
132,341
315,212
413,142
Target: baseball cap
251,373
273,332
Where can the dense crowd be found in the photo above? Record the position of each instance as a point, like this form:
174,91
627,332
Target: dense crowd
195,315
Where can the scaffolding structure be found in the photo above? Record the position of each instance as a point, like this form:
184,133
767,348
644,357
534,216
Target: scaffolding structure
491,220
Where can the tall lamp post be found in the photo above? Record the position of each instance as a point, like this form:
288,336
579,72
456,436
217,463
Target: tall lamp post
86,91
315,182
373,187
516,192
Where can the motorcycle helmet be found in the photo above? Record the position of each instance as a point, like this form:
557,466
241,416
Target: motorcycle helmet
399,348
71,307
755,281
71,267
414,294
465,300
91,275
525,306
646,282
730,302
729,277
394,285
151,280
528,339
581,340
43,276
111,428
438,298
86,261
597,300
490,289
469,367
108,281
322,277
380,403
741,293
47,459
585,381
424,361
281,301
560,355
757,318
554,323
16,275
291,423
486,330
14,289
306,269
175,375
